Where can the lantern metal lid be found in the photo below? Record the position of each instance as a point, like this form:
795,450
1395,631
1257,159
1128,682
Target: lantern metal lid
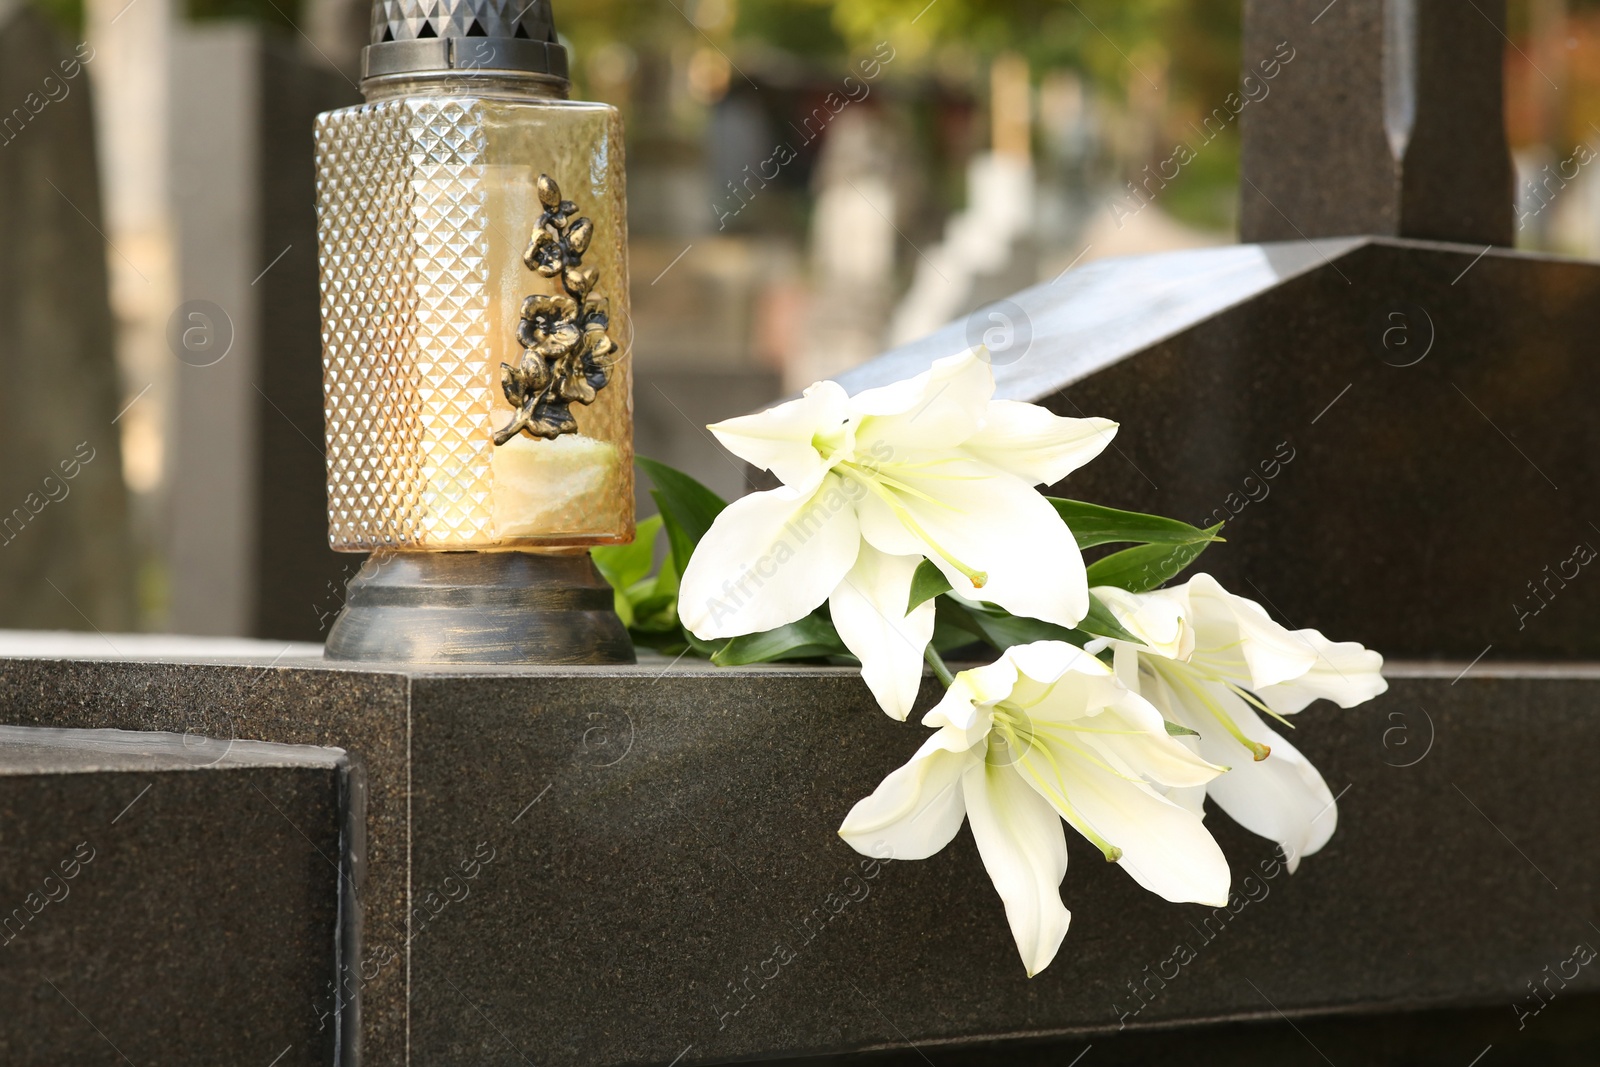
464,36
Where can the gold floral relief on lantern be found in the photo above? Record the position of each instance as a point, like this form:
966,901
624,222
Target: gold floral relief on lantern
567,353
561,461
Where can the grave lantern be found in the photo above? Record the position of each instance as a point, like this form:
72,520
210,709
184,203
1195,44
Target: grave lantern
476,342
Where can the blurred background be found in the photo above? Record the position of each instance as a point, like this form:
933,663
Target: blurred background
810,182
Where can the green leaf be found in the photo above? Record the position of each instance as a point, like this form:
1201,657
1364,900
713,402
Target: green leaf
1179,731
623,565
998,627
687,508
810,638
655,605
667,642
1102,623
626,567
650,604
927,583
1145,567
700,646
1093,525
666,579
948,637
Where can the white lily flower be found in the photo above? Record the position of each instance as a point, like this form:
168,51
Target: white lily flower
1046,733
931,467
1210,661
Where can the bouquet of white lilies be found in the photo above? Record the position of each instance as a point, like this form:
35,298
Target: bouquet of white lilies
908,525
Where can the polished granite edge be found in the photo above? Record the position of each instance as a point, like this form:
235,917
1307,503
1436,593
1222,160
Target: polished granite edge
650,666
58,750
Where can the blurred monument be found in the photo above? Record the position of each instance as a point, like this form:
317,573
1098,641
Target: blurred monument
209,237
132,51
64,545
988,249
1401,106
336,31
697,284
248,552
853,245
1070,148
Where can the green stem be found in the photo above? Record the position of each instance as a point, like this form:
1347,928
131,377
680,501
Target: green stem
936,661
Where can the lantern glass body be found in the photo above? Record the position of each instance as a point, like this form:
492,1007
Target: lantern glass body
426,199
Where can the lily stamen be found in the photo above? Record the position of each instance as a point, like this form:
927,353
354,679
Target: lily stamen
1055,790
978,578
1257,749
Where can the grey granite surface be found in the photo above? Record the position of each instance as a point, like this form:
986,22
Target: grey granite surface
257,697
629,865
168,899
1374,117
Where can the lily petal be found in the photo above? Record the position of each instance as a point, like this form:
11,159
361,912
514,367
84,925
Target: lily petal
1034,443
869,611
1140,747
1345,673
939,408
1190,798
1237,635
915,811
1165,847
1024,850
965,710
1283,797
1156,618
1124,660
1025,675
780,439
1042,663
978,524
769,559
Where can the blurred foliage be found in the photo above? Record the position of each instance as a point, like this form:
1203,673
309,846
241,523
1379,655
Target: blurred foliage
596,22
1168,61
1198,40
67,14
806,29
1521,14
1110,40
284,13
1154,66
1553,76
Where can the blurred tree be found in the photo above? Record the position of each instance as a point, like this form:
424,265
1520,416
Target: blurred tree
1553,74
1095,36
66,14
803,27
596,22
1158,64
284,13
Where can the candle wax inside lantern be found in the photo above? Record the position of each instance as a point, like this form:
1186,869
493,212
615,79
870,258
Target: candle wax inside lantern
561,486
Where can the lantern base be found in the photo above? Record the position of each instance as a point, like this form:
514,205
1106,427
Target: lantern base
479,608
